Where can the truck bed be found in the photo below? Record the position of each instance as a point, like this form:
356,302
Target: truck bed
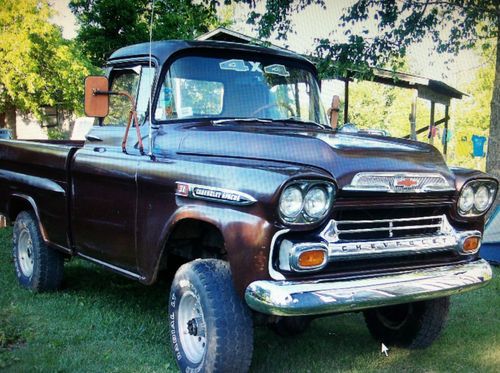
37,170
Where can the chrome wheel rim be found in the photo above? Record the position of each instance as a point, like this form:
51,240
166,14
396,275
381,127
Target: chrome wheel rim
25,252
191,327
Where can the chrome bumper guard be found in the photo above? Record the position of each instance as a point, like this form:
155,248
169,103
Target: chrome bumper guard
295,298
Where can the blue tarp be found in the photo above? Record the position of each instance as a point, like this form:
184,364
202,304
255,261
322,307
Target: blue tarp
490,249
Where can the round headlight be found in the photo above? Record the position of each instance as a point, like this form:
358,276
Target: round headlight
316,202
291,202
466,200
482,199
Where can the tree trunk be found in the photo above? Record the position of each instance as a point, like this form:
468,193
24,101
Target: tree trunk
10,120
493,157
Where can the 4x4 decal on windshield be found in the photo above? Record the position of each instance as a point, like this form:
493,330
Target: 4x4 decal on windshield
242,66
235,65
277,69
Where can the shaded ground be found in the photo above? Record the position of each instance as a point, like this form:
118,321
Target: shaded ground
101,322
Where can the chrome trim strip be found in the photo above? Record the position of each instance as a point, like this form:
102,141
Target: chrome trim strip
33,181
275,275
112,267
214,194
423,184
389,220
390,229
295,298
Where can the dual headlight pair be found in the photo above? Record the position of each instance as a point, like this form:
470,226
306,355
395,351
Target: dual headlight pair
305,202
476,197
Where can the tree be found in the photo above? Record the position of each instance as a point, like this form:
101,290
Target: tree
453,25
37,66
107,25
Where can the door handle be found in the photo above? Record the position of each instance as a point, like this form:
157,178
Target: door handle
93,138
99,149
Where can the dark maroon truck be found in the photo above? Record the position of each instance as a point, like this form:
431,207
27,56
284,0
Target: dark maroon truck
235,172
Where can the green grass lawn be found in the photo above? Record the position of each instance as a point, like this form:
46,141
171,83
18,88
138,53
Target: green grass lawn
101,322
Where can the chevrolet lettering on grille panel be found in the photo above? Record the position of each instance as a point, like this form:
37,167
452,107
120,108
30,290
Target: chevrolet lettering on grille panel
389,237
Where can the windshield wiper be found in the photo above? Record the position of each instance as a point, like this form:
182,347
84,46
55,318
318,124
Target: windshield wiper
222,121
300,121
267,121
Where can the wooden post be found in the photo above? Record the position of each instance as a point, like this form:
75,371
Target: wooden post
445,135
333,111
431,125
413,116
346,100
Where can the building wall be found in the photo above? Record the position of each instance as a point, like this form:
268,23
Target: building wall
30,128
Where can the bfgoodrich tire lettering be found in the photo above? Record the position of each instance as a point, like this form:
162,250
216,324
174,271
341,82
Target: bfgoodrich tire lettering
38,267
220,324
413,325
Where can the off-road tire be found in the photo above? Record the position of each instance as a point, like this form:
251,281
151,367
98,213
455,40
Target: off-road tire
414,325
47,263
291,326
227,319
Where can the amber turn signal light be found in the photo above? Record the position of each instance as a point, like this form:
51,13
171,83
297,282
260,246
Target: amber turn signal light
311,258
471,244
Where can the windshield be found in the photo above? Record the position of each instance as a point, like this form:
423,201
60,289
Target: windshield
218,88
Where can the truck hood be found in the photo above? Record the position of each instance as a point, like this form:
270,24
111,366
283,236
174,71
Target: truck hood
341,155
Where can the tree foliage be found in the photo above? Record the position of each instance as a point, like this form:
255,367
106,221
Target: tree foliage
453,25
107,25
37,66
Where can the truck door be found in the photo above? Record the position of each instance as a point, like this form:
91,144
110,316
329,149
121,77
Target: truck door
104,179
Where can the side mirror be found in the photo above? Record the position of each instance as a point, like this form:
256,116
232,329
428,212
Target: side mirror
96,96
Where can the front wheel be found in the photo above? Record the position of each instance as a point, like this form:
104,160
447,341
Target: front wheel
210,325
411,325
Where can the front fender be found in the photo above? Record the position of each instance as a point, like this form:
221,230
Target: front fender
247,239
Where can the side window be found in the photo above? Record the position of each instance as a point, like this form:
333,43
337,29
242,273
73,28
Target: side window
126,80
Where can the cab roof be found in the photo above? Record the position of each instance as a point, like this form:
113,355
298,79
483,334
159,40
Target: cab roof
163,50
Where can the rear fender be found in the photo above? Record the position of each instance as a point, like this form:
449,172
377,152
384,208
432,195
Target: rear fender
14,210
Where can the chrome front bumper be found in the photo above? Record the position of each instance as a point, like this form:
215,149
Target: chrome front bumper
294,298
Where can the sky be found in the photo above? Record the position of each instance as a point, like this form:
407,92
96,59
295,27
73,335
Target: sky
314,22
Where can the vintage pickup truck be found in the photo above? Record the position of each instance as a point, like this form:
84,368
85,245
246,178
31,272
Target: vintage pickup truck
235,177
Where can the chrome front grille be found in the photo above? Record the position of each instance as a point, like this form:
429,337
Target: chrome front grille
388,228
364,238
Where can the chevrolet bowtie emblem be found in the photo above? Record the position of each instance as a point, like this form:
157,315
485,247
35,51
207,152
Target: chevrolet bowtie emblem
406,183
